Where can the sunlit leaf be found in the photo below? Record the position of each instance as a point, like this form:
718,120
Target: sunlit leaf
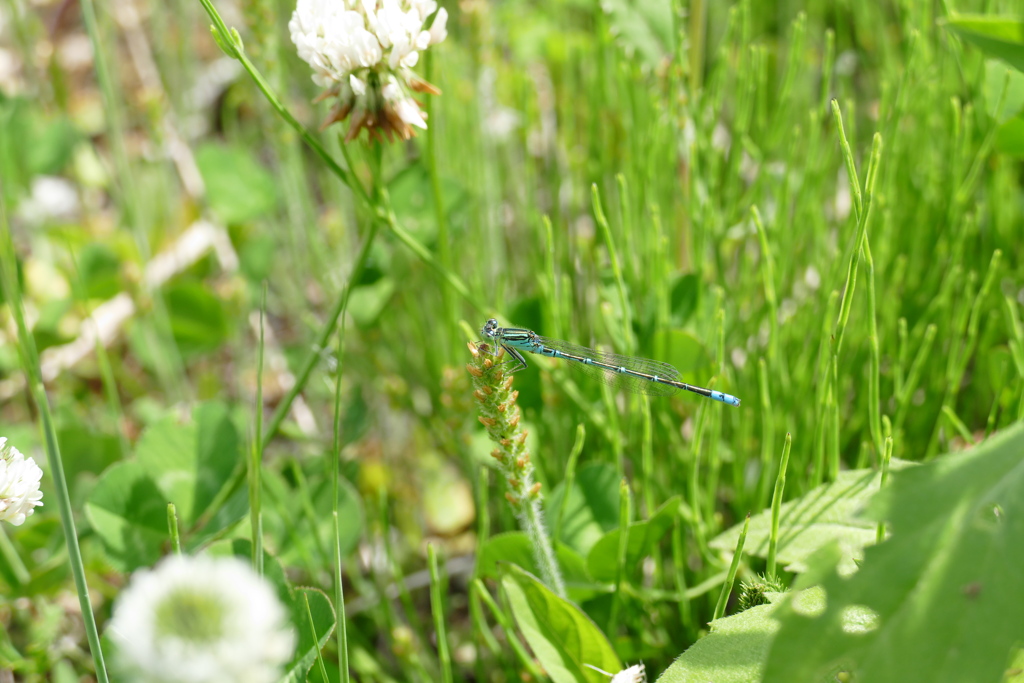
942,589
561,636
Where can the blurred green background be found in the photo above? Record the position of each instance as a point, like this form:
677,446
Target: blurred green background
658,178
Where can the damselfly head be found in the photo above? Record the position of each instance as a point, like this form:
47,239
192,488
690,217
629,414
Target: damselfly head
490,328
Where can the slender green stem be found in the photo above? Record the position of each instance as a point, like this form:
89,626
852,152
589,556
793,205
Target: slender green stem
768,278
443,239
437,607
613,255
570,478
316,638
525,659
33,377
679,564
339,588
13,560
313,356
875,369
172,529
625,506
256,456
723,597
780,489
767,433
886,459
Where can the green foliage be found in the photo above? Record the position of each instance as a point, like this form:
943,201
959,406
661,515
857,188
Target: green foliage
186,464
592,508
828,514
1000,37
681,119
34,142
310,609
563,637
733,651
938,593
644,536
238,187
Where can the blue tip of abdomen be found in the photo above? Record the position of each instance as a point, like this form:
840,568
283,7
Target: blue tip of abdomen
725,398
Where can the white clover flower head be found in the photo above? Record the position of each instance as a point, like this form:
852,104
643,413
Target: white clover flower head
358,49
199,620
634,674
19,485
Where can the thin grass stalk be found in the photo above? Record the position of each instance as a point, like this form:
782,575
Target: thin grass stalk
525,659
902,353
914,376
570,479
723,597
168,365
256,457
886,459
768,279
437,608
957,365
103,363
647,455
341,633
625,506
316,639
33,376
767,434
780,489
620,284
444,247
875,366
9,554
679,567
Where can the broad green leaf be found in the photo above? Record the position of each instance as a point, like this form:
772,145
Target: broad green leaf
199,322
826,514
561,636
1000,37
323,622
686,353
185,463
514,547
643,27
643,537
257,257
367,302
592,508
943,588
1010,137
412,197
99,272
685,298
238,188
1004,88
191,462
129,513
734,651
33,142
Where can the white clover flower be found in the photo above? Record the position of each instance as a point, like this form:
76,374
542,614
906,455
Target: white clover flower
201,620
19,485
363,52
634,674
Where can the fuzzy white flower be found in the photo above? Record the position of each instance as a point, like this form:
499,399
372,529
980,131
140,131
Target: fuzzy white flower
363,52
19,485
200,620
634,674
